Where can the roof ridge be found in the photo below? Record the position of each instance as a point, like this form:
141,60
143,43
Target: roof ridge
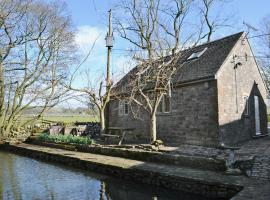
225,43
214,41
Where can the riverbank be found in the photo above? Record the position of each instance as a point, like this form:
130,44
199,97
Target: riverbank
48,179
162,155
204,182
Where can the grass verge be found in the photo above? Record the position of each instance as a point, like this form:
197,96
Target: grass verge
65,118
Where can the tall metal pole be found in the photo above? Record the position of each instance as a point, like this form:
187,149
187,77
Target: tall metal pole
109,45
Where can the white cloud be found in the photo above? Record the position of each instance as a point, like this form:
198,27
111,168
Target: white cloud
87,35
96,62
121,66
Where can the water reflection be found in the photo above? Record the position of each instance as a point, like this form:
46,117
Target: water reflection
25,178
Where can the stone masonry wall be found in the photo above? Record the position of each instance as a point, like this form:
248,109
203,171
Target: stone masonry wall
234,83
141,123
192,120
193,117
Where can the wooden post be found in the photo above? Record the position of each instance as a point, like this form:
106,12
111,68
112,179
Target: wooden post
109,45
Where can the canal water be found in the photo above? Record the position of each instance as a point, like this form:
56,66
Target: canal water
24,178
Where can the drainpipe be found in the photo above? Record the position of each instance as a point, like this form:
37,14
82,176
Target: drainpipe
235,83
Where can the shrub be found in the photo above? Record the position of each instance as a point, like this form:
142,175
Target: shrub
65,139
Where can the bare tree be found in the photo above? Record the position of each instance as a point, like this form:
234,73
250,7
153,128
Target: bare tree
36,42
208,21
97,93
263,53
158,30
154,28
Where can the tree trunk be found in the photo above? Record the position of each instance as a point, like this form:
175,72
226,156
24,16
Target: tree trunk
153,127
8,126
102,120
2,97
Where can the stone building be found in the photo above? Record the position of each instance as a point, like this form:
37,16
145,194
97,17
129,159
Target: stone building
218,97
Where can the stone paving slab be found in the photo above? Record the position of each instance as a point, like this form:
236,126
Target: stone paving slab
255,147
128,163
254,191
185,177
194,161
256,153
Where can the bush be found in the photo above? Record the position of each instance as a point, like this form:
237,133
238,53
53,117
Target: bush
65,139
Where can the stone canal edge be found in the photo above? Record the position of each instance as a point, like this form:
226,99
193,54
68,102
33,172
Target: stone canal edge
203,182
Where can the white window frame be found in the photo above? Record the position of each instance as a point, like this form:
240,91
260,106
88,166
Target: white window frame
122,108
162,102
197,54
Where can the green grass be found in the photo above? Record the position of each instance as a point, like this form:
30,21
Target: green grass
70,119
268,117
67,118
65,139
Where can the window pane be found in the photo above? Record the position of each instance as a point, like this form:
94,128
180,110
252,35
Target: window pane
167,103
120,108
126,108
197,54
160,106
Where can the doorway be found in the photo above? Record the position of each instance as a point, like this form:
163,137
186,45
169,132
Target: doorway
257,116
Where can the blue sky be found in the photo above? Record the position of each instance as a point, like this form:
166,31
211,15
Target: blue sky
90,19
91,12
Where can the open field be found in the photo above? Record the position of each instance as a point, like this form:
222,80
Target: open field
68,118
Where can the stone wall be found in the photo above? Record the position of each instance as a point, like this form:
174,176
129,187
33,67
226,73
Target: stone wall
192,120
204,183
140,123
234,83
83,128
211,111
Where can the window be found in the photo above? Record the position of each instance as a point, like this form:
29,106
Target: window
123,108
246,104
159,109
164,105
126,108
120,108
196,54
167,104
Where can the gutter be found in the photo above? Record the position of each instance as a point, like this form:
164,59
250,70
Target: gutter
195,81
175,85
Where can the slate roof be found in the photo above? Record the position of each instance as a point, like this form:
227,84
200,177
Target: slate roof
205,66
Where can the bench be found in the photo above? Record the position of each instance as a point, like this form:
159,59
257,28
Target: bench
121,130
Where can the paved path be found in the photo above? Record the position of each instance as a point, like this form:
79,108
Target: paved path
192,180
124,163
259,149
